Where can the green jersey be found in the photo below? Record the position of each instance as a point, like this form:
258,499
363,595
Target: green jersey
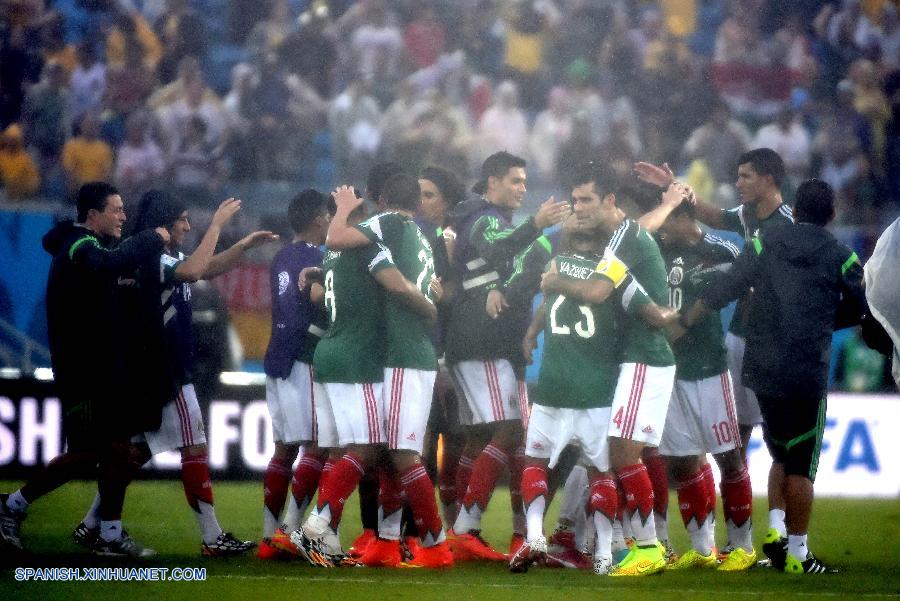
580,363
743,220
408,334
352,350
700,353
634,246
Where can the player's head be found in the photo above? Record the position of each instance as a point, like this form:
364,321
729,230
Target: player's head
760,173
502,180
379,174
594,187
101,209
680,227
575,238
814,203
308,214
402,192
158,208
441,191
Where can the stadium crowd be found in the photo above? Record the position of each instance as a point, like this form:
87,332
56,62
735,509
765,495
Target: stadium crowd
195,94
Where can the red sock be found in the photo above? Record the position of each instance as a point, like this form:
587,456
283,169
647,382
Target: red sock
737,498
710,482
515,481
275,486
656,469
620,505
389,496
534,484
692,499
419,491
638,499
195,478
306,478
343,480
604,497
485,472
463,474
327,468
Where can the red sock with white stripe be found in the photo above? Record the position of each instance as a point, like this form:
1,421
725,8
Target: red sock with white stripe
390,504
340,485
602,507
737,502
515,491
419,492
659,478
694,506
535,491
485,472
638,502
275,487
303,487
198,490
463,474
712,493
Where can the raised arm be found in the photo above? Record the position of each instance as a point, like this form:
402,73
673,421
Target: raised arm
674,195
194,267
592,291
127,256
498,245
227,259
663,177
341,235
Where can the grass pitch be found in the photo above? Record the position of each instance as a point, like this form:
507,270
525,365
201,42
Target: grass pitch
862,537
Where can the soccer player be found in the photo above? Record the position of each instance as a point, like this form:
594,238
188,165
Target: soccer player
806,284
298,322
409,374
578,376
166,281
483,353
701,417
759,177
647,366
84,321
350,361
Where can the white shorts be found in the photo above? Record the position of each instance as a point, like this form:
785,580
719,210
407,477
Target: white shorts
181,426
701,418
358,412
748,413
490,390
641,401
407,401
326,428
551,429
292,404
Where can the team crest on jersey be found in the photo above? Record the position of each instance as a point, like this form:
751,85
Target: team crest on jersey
676,275
284,280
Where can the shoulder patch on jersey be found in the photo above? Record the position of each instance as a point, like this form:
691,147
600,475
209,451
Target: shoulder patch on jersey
284,280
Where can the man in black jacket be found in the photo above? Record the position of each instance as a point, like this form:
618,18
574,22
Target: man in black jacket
101,406
806,284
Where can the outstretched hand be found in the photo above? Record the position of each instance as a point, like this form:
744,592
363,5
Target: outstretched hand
661,176
551,212
345,197
255,239
226,211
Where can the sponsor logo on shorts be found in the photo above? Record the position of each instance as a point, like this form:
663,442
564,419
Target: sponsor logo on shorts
412,436
647,429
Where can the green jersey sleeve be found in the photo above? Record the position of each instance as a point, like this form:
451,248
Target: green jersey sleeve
528,266
733,219
497,244
377,256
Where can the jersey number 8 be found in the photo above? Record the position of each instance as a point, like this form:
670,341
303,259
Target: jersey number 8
329,294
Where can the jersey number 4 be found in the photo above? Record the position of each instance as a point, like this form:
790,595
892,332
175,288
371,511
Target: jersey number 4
585,328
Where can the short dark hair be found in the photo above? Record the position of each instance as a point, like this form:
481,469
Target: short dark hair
157,208
379,174
765,161
446,181
496,165
305,207
814,203
93,195
402,191
605,179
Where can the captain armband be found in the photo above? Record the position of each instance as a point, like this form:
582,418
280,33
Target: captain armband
612,268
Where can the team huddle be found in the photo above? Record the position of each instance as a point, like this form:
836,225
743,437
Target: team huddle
420,320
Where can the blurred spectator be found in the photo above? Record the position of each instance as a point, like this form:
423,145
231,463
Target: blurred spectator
54,48
737,40
188,73
88,83
130,84
18,173
579,149
378,46
551,130
131,29
482,37
400,116
503,126
424,37
139,160
87,158
787,136
889,43
844,166
20,66
273,125
195,165
526,39
582,30
870,101
195,103
310,53
718,143
45,116
182,34
267,36
851,28
353,118
648,37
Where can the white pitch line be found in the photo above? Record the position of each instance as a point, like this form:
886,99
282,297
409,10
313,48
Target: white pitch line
532,585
